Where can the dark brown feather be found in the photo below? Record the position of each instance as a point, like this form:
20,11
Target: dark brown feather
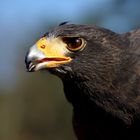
103,83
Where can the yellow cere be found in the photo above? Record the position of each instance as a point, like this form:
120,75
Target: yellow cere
52,47
42,43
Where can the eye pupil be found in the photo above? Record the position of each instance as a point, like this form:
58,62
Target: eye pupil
73,44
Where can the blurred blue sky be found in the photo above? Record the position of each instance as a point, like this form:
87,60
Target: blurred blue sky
21,19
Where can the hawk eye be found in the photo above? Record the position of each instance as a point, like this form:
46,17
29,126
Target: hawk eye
74,43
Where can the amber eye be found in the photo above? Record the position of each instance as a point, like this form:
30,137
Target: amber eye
74,43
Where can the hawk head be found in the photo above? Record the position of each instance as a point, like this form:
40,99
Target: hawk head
78,50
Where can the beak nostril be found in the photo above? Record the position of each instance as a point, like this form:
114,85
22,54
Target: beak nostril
43,47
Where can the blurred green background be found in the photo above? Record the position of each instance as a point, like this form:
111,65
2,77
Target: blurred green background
33,105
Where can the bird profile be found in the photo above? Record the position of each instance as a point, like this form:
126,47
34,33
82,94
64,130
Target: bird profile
100,71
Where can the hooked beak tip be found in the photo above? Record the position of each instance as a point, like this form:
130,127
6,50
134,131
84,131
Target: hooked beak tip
29,65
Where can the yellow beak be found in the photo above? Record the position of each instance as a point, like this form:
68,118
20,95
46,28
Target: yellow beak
47,53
